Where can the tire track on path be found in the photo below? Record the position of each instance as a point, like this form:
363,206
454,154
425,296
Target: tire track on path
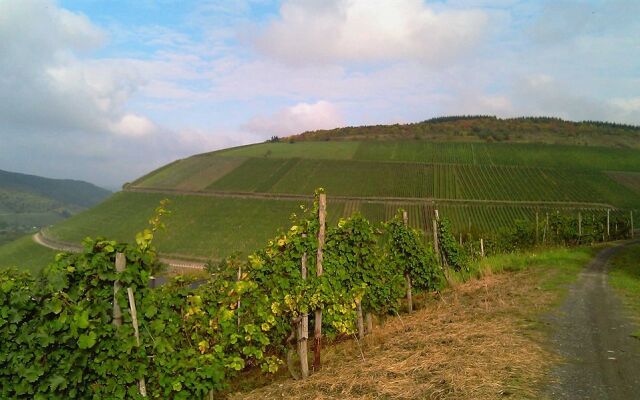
593,332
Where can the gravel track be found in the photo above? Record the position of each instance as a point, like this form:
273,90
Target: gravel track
593,332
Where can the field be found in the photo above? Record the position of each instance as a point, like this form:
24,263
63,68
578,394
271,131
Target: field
24,253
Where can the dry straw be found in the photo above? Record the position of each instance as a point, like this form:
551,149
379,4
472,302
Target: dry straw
471,342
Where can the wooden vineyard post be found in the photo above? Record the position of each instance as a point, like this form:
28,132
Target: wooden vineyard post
436,243
537,229
481,247
407,278
579,224
121,264
436,248
631,218
238,305
368,318
303,326
117,311
546,230
608,223
360,319
317,335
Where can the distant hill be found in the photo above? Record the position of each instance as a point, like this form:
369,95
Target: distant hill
28,201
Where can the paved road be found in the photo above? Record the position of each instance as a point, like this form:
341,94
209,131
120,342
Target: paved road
593,332
61,246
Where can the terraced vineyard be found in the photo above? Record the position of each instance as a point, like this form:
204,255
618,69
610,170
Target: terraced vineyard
235,199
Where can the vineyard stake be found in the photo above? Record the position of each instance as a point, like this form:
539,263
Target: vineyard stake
608,222
117,312
360,319
121,264
317,337
369,321
303,326
537,230
238,305
435,240
546,229
481,247
407,278
579,224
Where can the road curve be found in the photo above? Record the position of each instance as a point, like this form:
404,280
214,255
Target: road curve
593,332
63,246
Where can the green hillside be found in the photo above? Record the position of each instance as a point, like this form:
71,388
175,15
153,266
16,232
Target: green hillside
28,202
235,199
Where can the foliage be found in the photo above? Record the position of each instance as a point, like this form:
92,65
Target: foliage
62,342
355,262
60,339
451,250
405,250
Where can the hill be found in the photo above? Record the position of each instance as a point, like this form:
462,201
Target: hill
235,199
28,201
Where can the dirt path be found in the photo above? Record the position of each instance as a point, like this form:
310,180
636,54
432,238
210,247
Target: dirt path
400,200
593,333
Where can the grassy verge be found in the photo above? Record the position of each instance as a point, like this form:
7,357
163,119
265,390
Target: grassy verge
624,276
480,339
24,253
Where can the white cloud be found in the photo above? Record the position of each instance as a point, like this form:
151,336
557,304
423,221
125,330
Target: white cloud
296,119
335,31
45,83
133,125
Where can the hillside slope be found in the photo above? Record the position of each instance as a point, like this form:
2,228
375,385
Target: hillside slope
235,199
28,201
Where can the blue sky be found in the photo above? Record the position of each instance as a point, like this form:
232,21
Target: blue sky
108,90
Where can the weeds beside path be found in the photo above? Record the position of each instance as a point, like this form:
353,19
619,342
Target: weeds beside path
479,340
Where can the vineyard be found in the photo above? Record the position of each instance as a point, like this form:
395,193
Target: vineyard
204,228
230,200
428,152
384,179
185,341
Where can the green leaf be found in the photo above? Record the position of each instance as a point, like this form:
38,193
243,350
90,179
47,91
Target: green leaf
151,311
87,341
82,319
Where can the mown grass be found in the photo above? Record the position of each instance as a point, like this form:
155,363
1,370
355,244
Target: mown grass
556,267
624,276
26,254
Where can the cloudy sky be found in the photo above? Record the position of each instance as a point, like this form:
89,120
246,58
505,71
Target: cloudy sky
106,90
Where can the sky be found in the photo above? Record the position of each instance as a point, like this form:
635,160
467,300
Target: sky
107,90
